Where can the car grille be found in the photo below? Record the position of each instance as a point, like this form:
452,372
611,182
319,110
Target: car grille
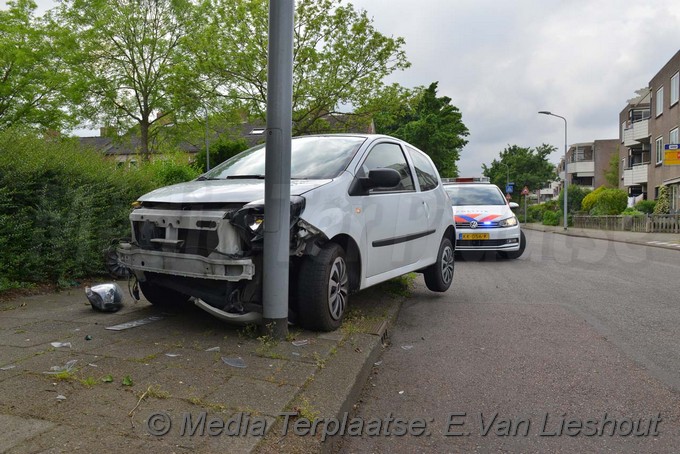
466,225
481,242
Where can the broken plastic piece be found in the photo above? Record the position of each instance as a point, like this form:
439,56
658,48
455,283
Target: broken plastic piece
105,297
300,343
135,323
60,344
407,347
65,368
172,355
11,366
60,397
234,362
213,349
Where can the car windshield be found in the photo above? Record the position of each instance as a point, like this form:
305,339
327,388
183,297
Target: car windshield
467,195
312,157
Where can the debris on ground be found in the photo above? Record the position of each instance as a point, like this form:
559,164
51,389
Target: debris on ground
234,362
65,368
105,297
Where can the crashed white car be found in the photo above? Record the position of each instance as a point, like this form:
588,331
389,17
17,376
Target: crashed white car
364,209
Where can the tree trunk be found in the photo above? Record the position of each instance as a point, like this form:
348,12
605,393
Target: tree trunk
144,142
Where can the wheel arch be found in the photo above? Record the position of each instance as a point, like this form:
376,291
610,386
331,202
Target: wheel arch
352,257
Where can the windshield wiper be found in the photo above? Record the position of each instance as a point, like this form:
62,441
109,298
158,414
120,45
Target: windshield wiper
204,178
245,177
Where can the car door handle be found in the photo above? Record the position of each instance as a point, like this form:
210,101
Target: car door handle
427,209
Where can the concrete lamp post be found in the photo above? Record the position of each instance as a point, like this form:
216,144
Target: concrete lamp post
545,112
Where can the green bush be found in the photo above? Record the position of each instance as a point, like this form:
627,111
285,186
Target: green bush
575,196
631,211
610,202
60,206
589,200
646,206
551,218
535,212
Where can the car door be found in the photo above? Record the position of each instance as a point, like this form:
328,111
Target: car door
393,217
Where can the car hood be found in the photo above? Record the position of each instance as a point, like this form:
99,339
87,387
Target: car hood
482,213
222,191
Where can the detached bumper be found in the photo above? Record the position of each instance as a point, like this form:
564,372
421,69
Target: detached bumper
187,265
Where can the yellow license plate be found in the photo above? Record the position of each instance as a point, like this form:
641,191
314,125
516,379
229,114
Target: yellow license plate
475,236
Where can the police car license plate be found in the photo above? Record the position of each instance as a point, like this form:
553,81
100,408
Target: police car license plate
475,236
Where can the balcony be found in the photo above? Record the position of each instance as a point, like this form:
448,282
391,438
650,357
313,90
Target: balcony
635,175
581,168
637,133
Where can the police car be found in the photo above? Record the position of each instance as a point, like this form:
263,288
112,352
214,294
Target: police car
484,218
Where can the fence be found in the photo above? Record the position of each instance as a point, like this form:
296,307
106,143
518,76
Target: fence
658,223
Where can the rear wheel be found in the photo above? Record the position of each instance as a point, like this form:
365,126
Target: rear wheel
162,296
439,276
323,289
518,253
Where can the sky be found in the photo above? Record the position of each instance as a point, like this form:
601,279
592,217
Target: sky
502,61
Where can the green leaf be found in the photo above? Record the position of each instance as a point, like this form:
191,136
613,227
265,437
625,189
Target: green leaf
127,381
107,378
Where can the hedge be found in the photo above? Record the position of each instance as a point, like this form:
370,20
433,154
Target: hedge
61,206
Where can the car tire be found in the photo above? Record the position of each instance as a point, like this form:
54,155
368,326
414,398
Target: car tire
439,276
323,288
162,296
518,253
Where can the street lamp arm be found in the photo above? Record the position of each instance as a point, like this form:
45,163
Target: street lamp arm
546,112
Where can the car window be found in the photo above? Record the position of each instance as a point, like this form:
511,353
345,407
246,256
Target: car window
390,156
462,195
426,174
311,157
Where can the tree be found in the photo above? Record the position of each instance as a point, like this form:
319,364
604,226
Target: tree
525,167
429,122
130,66
340,59
663,204
612,173
32,74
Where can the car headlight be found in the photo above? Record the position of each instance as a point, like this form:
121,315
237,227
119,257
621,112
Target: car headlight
508,222
251,216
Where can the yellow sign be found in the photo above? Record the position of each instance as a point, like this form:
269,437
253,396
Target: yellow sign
671,158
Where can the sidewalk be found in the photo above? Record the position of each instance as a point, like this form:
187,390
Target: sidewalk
147,388
664,240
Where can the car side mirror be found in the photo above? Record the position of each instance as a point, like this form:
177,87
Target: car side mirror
381,178
513,205
377,178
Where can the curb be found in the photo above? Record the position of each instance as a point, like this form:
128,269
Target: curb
335,389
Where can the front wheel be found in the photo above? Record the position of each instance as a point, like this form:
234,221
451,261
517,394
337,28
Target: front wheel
439,276
323,289
162,296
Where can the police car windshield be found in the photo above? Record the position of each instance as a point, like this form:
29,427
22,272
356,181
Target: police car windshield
475,194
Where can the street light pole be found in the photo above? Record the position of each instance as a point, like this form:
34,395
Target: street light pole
545,112
507,179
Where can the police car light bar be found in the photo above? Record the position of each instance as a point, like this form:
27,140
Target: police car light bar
467,180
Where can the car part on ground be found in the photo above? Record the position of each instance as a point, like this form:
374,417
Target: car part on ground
105,297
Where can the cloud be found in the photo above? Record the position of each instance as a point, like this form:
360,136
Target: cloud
501,62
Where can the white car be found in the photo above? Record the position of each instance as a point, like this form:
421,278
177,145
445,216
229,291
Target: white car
364,209
484,218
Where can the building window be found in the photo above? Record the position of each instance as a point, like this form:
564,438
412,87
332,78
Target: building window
659,101
675,88
659,150
673,136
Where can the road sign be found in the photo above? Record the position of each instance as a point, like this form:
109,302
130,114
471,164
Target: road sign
509,188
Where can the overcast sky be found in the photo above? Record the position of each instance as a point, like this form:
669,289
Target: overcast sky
501,61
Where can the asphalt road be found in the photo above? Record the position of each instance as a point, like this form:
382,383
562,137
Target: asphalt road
575,347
